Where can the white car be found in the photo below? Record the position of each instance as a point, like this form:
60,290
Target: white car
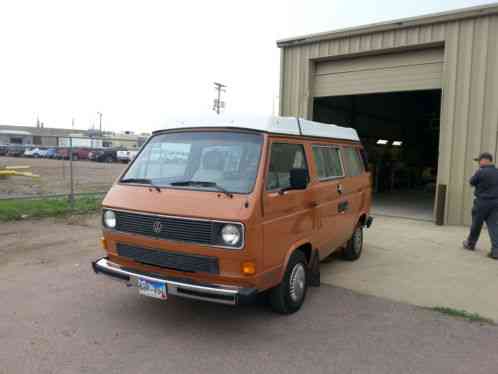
36,152
29,152
126,156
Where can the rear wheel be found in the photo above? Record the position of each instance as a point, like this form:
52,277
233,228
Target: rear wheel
289,295
354,247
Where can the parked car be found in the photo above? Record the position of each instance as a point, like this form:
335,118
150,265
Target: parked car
92,154
62,154
105,155
35,152
78,153
40,152
29,152
247,210
4,149
51,153
16,150
81,153
125,155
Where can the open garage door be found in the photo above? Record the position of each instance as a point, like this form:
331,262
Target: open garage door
405,71
394,102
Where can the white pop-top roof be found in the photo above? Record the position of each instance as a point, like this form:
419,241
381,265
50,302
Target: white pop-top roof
277,125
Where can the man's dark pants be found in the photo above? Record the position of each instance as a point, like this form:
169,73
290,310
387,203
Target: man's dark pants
484,211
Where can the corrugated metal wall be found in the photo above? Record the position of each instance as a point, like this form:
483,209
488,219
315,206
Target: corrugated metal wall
469,116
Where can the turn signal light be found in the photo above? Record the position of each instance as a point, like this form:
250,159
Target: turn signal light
103,242
248,268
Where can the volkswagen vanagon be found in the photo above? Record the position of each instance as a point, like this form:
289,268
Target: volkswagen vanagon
222,212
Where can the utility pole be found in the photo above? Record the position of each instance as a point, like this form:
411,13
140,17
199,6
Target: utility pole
218,104
71,177
100,122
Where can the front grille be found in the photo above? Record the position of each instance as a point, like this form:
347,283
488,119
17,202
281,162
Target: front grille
170,260
196,231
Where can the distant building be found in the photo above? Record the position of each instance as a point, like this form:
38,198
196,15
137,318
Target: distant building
15,137
54,137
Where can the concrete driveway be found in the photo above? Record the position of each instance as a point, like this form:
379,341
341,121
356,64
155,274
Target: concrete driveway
420,263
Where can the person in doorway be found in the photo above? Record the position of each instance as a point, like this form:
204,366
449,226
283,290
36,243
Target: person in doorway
485,209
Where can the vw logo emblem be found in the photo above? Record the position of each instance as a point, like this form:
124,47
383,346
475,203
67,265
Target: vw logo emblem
157,227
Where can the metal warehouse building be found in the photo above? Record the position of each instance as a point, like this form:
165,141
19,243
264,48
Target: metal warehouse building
422,93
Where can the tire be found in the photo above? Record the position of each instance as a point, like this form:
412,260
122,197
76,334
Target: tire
289,295
354,247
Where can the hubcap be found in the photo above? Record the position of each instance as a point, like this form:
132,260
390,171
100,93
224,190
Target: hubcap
297,282
358,240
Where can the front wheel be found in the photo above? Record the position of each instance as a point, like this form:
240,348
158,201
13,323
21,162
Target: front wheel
354,247
289,295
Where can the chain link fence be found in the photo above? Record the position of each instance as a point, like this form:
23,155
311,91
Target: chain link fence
76,166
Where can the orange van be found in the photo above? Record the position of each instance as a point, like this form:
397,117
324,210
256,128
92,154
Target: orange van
224,211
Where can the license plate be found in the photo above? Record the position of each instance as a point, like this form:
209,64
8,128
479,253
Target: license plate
152,288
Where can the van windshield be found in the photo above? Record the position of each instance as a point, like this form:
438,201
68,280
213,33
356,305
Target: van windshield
199,160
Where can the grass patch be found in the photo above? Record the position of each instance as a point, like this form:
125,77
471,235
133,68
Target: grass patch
459,313
13,210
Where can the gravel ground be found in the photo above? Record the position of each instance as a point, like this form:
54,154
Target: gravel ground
54,177
56,316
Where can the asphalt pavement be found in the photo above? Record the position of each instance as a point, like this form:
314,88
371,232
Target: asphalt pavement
57,316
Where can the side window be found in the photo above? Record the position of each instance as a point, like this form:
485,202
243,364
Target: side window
328,162
283,158
364,157
353,161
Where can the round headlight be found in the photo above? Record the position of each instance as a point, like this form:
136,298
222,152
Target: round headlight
230,234
110,219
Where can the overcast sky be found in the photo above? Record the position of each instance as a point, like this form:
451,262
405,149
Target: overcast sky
144,63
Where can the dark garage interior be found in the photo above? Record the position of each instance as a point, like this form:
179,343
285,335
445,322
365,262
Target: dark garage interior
400,131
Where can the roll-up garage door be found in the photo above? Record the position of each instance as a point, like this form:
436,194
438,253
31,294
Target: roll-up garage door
406,71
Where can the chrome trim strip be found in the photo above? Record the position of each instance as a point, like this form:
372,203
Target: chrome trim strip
174,286
243,236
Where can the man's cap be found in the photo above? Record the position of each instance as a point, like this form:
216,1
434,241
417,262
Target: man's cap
484,155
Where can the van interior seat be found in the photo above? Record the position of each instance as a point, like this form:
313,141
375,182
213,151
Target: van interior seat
279,171
211,169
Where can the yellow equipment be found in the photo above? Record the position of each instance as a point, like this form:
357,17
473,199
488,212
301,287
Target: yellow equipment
14,171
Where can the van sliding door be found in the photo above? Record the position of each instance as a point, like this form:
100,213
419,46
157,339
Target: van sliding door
331,204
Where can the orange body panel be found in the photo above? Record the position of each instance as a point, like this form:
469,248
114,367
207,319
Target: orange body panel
275,223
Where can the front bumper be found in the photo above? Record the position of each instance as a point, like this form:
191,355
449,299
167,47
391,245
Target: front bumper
179,287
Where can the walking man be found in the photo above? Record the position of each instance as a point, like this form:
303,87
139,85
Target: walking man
485,209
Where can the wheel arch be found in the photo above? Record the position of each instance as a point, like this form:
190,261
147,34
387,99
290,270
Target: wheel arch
363,218
303,245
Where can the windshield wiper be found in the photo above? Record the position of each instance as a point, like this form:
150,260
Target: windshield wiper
141,180
203,184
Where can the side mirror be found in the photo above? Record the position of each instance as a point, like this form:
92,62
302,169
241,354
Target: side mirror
299,179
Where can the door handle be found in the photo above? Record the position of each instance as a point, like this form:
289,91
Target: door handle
313,204
339,188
